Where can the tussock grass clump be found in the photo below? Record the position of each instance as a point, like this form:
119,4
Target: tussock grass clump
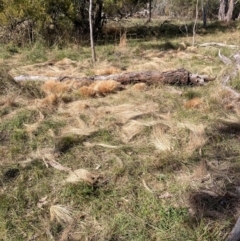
145,163
161,140
8,84
61,213
9,87
100,88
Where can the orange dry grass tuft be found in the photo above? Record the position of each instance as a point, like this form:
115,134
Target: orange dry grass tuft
53,87
86,91
193,103
104,87
50,100
107,71
139,86
100,87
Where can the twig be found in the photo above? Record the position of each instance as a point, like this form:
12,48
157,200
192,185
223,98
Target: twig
146,186
235,233
219,45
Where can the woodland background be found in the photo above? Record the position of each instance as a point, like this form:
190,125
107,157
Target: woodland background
103,161
57,22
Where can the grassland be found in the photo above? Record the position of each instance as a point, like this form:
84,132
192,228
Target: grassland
156,163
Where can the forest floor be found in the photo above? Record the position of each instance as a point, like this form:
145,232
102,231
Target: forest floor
153,162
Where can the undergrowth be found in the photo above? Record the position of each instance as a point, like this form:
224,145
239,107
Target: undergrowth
153,159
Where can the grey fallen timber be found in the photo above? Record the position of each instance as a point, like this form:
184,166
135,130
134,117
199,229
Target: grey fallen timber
34,78
174,77
235,233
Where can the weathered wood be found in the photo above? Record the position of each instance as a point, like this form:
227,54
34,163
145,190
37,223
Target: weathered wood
179,77
234,66
219,45
231,73
7,83
36,78
174,77
235,233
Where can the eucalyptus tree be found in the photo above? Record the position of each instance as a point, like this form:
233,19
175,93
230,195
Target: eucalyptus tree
226,8
205,7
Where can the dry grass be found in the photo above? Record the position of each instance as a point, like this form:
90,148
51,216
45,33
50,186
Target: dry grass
194,103
62,214
82,175
123,40
53,87
136,164
99,88
197,137
161,140
107,70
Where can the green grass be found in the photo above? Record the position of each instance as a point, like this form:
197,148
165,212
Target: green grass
36,54
142,193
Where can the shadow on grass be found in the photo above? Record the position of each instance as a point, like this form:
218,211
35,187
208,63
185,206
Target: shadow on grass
220,199
209,204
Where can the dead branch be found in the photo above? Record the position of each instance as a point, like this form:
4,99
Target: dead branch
232,72
235,233
174,77
234,64
35,78
219,45
236,58
224,59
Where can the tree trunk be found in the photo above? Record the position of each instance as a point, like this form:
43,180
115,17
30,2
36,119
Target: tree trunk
221,11
225,12
195,24
205,12
174,77
229,13
150,11
178,77
98,18
91,32
235,233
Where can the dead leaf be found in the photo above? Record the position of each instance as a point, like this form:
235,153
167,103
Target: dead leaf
147,187
42,202
58,166
82,175
165,195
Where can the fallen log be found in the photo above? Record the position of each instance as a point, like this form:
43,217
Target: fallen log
175,77
35,78
235,233
219,45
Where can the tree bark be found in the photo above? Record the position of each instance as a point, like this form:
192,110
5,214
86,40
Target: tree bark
235,233
91,32
150,11
174,77
178,77
97,26
205,12
229,13
221,11
225,12
195,24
